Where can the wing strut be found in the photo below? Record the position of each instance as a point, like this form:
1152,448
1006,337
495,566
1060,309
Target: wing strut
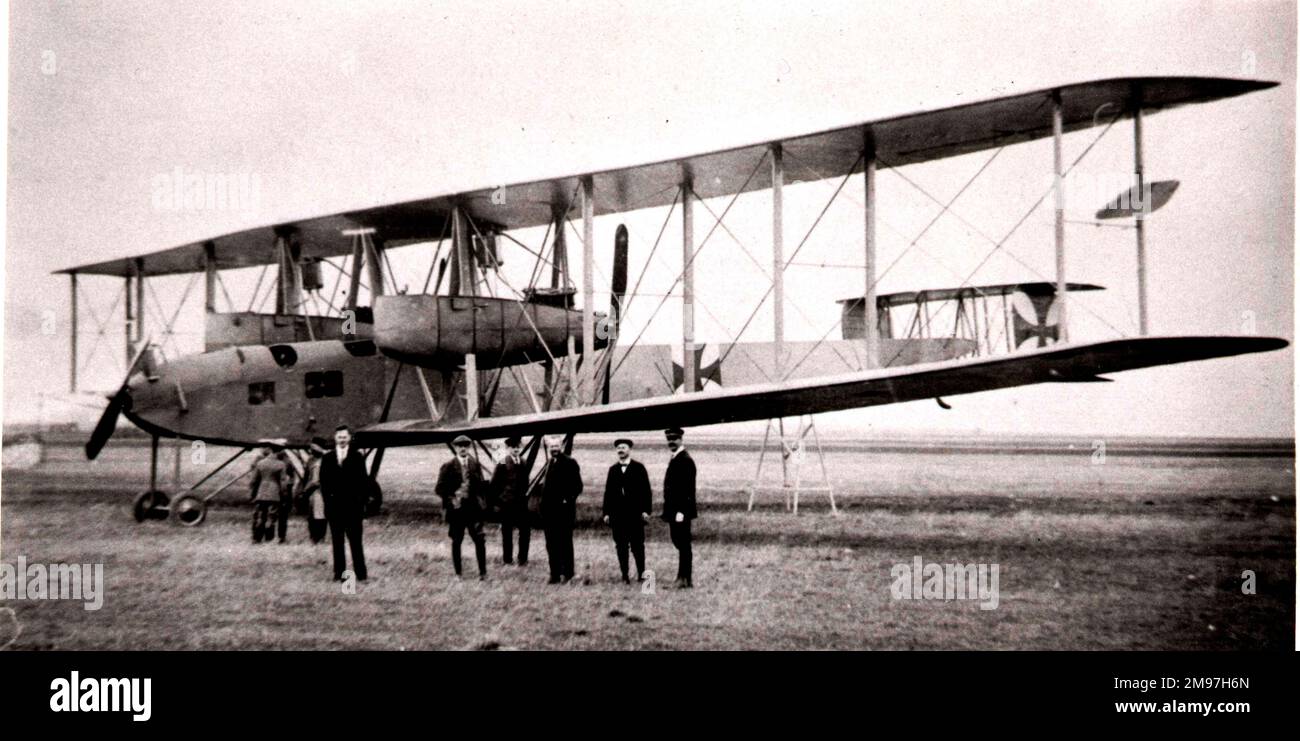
1058,164
1139,215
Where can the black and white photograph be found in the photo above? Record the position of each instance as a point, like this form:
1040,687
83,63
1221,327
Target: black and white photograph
649,326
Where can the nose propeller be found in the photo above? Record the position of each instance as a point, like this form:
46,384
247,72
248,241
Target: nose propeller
116,403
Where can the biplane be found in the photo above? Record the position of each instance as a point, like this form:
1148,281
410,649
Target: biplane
406,368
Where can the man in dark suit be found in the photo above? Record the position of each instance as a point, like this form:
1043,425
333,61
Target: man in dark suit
679,503
509,492
344,484
627,506
559,510
463,491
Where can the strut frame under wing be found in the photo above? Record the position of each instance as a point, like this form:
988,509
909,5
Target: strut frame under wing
1080,362
908,298
898,140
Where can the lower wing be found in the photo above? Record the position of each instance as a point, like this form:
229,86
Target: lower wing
1062,363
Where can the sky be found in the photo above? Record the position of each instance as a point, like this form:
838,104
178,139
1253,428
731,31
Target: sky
332,106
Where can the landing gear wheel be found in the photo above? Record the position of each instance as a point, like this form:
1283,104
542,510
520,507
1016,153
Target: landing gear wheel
151,505
189,510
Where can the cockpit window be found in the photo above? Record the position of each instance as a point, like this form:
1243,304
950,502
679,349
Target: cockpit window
285,356
360,348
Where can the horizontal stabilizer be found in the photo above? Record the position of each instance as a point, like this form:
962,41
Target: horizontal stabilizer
1130,202
907,298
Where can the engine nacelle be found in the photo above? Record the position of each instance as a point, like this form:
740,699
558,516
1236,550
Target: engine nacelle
439,331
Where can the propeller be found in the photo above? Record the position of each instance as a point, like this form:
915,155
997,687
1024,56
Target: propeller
618,289
442,268
116,403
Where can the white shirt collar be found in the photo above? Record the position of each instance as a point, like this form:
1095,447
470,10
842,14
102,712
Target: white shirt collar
680,449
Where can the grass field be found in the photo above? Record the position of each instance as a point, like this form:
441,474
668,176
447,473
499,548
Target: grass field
1141,551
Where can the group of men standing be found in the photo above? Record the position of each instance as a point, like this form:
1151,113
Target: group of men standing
629,500
469,499
336,488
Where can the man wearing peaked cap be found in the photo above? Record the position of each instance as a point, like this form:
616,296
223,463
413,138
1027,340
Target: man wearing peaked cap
272,479
509,489
679,503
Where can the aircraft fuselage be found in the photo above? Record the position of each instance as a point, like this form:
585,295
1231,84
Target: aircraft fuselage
294,391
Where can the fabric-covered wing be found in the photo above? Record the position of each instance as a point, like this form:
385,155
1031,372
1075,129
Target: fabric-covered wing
907,139
907,298
1080,362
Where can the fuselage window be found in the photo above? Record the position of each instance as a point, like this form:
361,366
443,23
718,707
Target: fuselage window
323,383
261,393
285,356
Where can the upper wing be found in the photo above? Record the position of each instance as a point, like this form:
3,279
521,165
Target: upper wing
899,140
862,389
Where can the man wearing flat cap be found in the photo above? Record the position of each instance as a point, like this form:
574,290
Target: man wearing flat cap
679,503
509,489
627,506
463,491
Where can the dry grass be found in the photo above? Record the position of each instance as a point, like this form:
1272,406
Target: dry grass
1140,552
